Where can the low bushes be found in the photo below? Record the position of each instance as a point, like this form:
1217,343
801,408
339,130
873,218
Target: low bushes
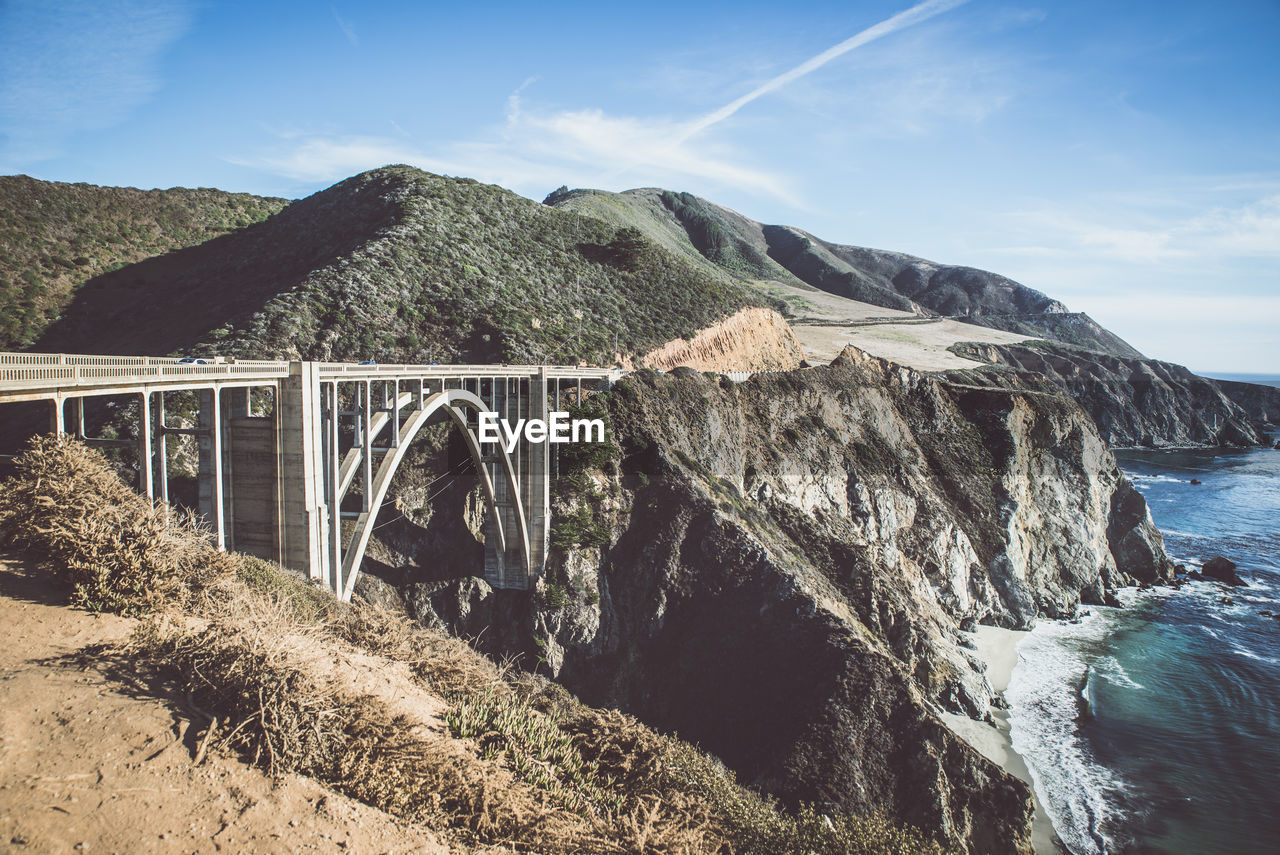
116,550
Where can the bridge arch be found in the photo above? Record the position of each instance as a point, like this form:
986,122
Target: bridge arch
454,402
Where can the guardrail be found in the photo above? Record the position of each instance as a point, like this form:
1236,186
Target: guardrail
36,371
26,374
29,359
343,369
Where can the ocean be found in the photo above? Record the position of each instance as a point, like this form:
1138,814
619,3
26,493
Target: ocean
1156,728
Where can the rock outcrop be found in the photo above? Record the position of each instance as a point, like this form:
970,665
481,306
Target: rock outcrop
788,562
1223,570
1135,402
753,339
1260,403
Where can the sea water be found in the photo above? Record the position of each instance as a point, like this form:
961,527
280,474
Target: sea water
1156,728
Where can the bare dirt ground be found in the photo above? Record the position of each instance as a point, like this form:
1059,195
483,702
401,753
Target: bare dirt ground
824,323
89,763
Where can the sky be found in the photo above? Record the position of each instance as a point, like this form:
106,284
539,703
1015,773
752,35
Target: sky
1121,157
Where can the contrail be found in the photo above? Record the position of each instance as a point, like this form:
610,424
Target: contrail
917,13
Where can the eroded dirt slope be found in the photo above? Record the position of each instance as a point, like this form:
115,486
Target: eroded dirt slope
91,762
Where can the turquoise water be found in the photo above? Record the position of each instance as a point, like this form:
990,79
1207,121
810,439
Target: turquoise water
1156,728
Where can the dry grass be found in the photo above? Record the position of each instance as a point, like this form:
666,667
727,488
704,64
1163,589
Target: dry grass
118,552
250,669
524,765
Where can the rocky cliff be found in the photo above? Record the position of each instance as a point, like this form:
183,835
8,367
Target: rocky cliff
777,569
752,339
1135,401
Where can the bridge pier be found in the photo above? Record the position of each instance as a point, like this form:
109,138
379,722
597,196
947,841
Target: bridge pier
303,518
210,471
146,477
160,451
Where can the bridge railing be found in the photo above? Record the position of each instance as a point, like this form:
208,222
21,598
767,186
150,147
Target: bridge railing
33,359
343,368
37,370
48,369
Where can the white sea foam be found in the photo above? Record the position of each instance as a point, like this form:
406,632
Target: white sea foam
1044,695
1168,479
1241,650
1109,668
1174,531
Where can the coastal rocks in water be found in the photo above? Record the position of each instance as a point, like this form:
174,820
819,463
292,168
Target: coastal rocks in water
1223,570
1135,541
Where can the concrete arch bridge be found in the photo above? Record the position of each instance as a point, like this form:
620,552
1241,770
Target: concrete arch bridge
303,484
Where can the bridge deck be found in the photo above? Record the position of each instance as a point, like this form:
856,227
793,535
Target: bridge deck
35,376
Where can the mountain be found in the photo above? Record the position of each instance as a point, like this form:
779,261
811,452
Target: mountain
400,265
56,237
742,247
1134,400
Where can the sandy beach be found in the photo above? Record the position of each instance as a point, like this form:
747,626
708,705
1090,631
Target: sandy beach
999,649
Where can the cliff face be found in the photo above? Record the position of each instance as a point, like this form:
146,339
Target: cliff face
1136,401
752,339
786,564
1260,403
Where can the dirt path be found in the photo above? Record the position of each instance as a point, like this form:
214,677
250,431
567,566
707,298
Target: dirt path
88,765
824,323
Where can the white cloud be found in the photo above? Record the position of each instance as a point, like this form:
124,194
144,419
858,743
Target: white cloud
533,151
77,66
919,12
1242,230
344,25
537,148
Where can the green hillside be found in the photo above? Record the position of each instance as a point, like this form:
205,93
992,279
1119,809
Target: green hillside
399,264
55,237
725,241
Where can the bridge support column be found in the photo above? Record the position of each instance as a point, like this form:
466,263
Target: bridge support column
536,476
160,460
57,423
304,521
331,548
77,416
146,479
212,505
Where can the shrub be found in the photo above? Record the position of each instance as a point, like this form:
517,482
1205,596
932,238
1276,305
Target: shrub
117,551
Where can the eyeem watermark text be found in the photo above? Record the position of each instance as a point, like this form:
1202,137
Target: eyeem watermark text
559,428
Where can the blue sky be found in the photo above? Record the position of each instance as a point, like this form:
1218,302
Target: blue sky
1122,157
